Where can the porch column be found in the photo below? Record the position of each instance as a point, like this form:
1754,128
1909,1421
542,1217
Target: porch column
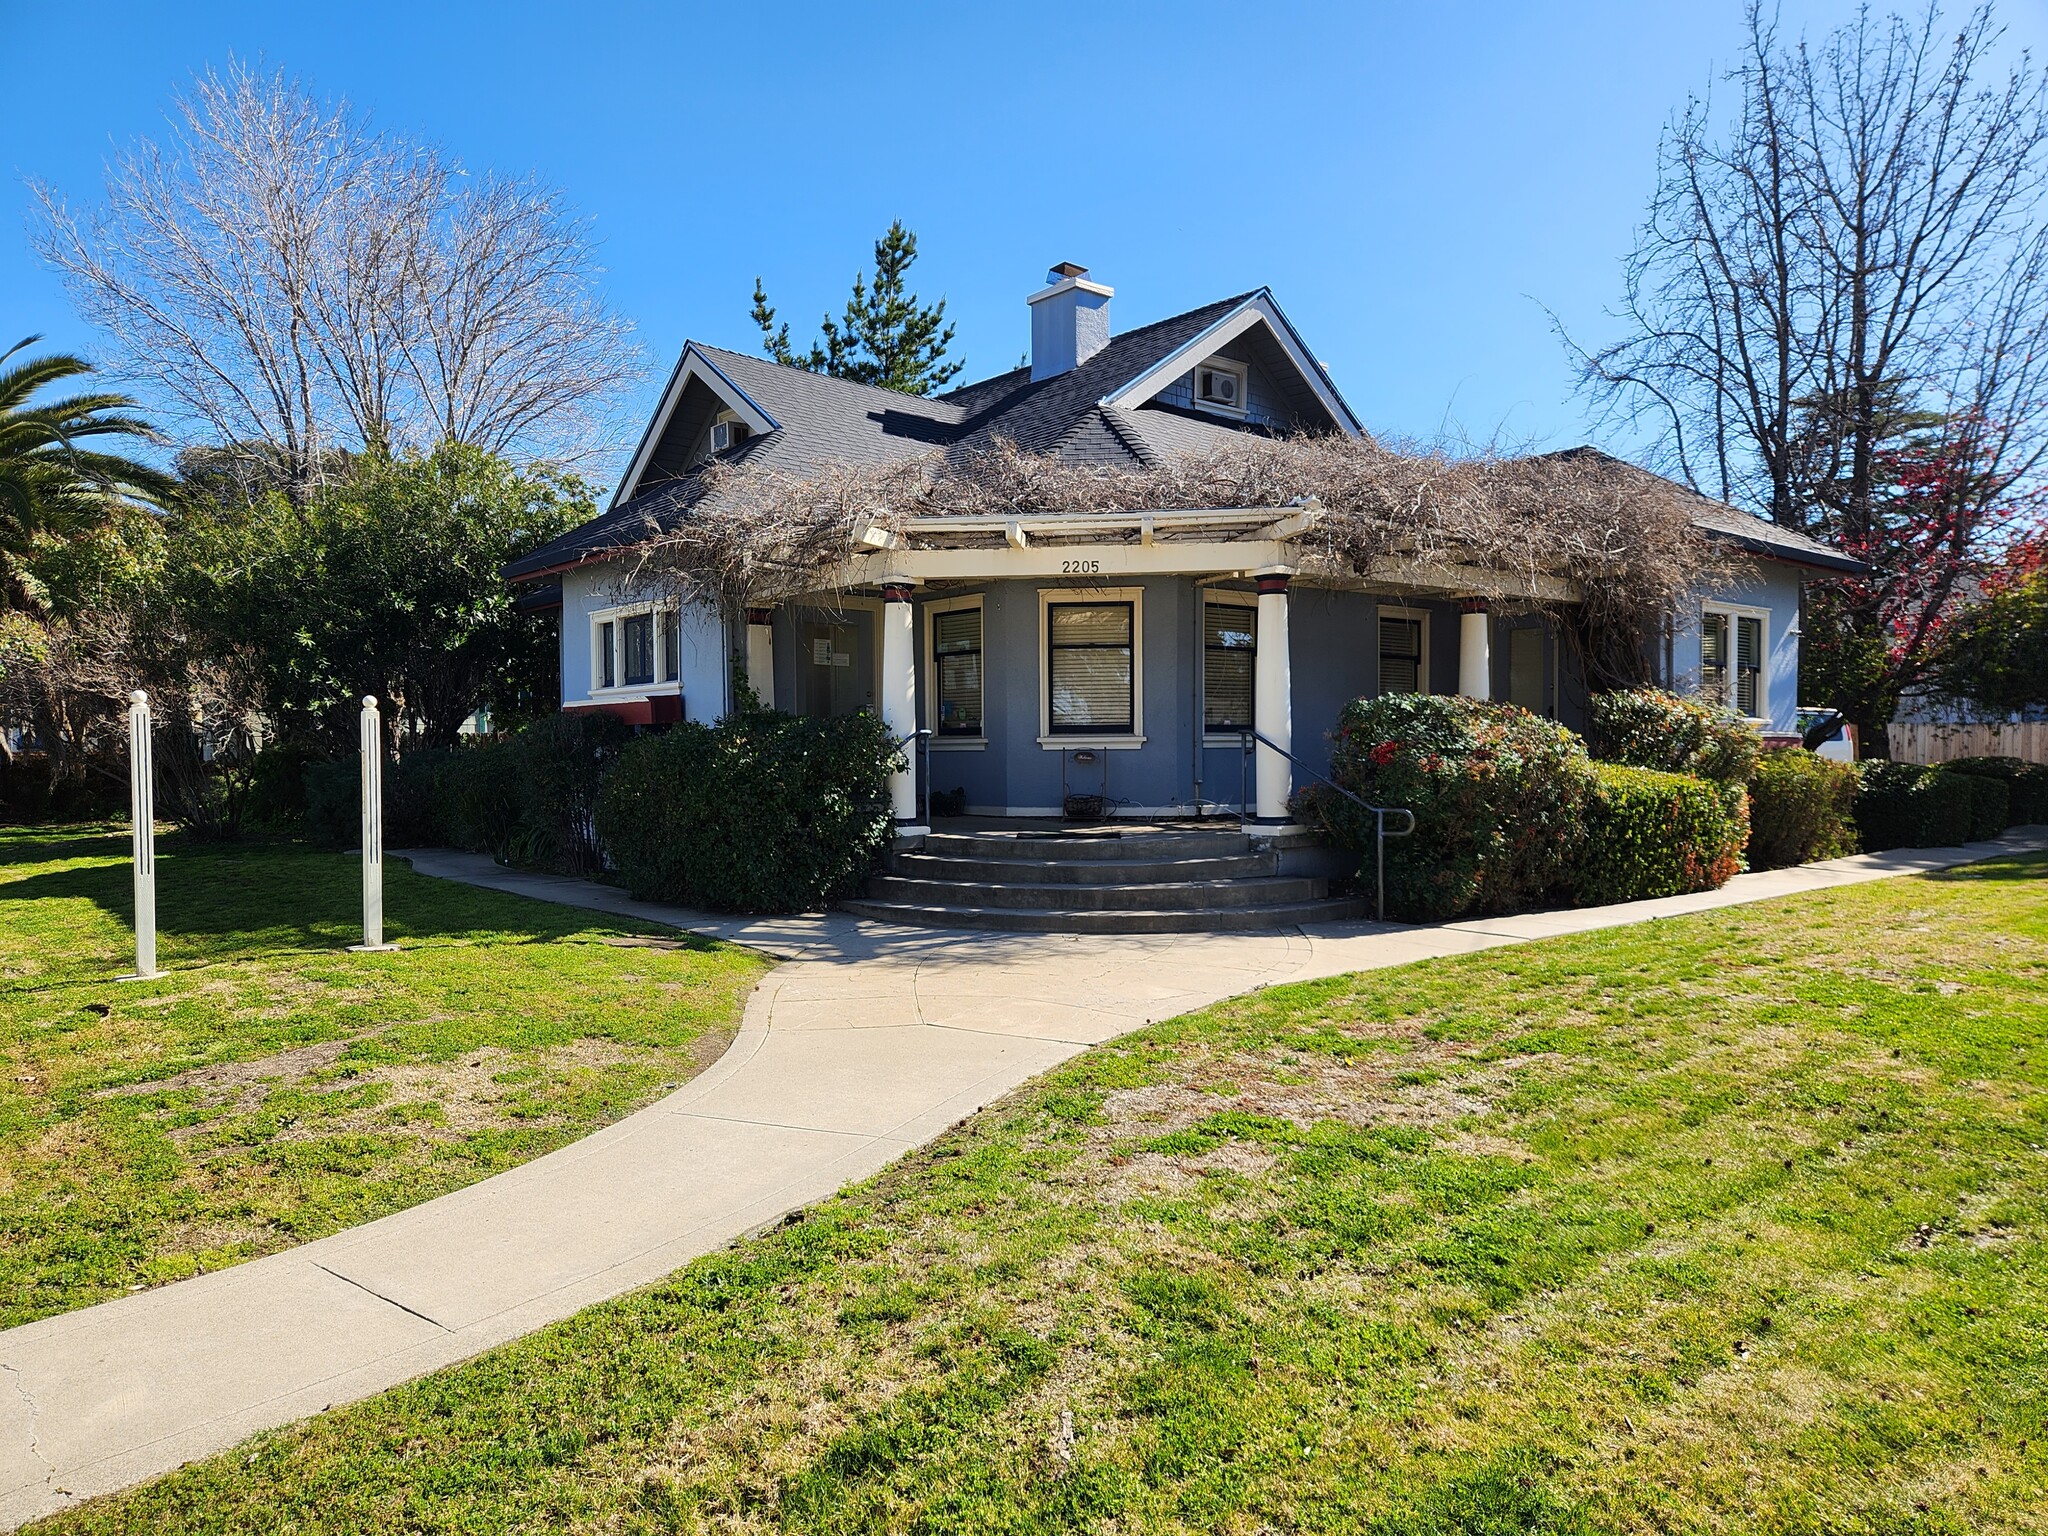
1273,700
1475,649
899,697
761,654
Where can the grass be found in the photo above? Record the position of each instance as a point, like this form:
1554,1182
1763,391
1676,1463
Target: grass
1733,1222
271,1087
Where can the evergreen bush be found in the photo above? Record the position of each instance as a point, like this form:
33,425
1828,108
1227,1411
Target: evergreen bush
1649,728
1499,796
1990,800
2026,785
1908,805
761,812
1802,807
1650,834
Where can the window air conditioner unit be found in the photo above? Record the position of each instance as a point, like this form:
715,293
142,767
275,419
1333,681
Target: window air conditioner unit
727,434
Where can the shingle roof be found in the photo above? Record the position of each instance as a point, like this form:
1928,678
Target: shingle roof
823,421
1738,527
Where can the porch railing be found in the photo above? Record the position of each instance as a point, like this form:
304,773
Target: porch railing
921,766
1247,736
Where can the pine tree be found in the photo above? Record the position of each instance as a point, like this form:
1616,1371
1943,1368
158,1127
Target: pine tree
885,337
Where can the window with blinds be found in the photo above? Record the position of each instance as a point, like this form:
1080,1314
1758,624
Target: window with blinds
1229,663
956,668
1089,667
1732,660
1400,655
638,634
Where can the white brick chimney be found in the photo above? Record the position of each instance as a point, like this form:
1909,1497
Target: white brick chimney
1069,321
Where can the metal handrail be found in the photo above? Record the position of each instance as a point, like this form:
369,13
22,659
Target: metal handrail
1246,735
923,737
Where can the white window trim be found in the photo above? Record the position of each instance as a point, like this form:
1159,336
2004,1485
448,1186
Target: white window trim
1394,611
1736,611
616,616
1108,742
1243,600
932,610
1228,365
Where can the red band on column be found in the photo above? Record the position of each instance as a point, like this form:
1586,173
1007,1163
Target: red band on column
760,615
1472,605
895,591
1273,585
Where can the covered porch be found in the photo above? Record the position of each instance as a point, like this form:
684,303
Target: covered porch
1137,665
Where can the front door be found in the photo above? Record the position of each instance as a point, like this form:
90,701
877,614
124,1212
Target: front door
834,676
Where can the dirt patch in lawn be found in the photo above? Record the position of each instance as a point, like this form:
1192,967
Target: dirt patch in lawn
224,1080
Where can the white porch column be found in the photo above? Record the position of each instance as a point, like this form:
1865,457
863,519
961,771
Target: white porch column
899,697
761,655
1273,700
1475,650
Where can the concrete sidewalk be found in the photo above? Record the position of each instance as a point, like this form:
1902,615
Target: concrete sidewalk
870,1041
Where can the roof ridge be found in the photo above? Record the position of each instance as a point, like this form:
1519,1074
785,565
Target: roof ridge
829,379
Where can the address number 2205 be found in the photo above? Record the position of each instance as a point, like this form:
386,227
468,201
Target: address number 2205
1080,567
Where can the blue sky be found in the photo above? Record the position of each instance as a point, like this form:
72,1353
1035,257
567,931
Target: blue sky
1417,183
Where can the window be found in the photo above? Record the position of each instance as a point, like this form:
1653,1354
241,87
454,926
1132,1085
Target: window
1229,664
671,645
607,665
639,638
1401,652
956,671
1732,660
1220,386
1528,683
1090,668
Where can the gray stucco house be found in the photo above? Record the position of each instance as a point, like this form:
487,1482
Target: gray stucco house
1118,663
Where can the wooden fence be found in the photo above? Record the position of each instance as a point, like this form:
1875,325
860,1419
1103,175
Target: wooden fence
1920,743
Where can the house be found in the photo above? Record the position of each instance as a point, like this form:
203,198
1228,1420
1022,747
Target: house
1121,655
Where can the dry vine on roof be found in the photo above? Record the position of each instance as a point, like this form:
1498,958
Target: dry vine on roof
1625,539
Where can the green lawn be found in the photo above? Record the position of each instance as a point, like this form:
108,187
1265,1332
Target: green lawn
272,1087
1728,1223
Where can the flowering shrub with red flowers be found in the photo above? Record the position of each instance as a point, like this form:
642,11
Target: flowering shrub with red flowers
1500,798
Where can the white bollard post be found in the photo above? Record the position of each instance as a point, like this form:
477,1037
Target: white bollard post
142,813
372,740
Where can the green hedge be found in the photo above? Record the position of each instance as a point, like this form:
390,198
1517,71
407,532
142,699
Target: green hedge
1649,728
759,813
1499,797
1990,800
1802,807
1906,805
2026,785
1658,834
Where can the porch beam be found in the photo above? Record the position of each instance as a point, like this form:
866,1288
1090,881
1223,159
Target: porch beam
1445,580
1037,560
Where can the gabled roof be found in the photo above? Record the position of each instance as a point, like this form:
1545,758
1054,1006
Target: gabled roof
1743,529
816,420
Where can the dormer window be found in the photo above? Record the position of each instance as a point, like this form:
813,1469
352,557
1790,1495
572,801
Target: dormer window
1220,387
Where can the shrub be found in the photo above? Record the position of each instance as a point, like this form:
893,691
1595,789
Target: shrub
760,813
277,784
1801,808
1659,834
1649,728
1906,805
1499,797
480,798
1990,800
333,801
561,762
2026,784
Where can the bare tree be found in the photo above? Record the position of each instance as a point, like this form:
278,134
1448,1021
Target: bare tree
1836,316
292,282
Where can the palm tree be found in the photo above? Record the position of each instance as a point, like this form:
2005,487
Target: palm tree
50,485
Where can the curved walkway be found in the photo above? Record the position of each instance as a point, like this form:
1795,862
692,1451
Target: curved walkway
868,1042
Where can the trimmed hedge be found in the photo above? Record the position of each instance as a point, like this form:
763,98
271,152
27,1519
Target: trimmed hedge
761,812
1649,728
2026,784
1802,807
1990,800
1906,805
1658,834
1499,797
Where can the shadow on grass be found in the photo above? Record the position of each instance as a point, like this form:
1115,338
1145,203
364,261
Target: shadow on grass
253,897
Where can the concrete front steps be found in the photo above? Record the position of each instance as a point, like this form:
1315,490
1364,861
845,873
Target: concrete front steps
1103,881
